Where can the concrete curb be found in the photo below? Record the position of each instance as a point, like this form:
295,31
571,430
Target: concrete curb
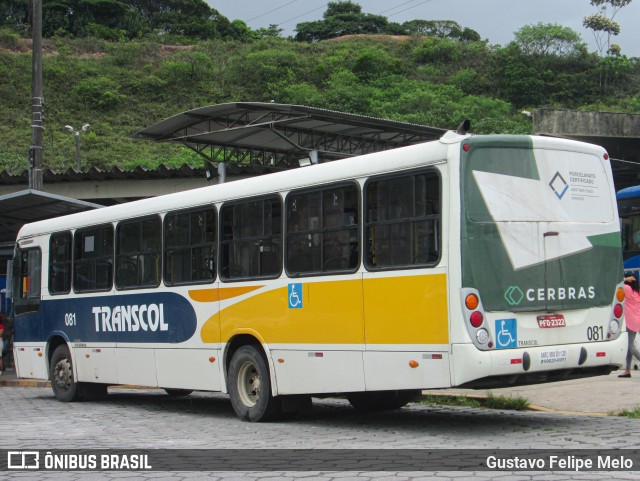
24,383
533,407
530,407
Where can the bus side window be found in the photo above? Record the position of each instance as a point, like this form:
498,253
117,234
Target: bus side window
26,280
323,230
402,221
60,263
138,246
251,240
190,246
93,259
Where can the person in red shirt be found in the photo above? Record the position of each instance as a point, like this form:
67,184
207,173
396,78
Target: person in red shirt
631,317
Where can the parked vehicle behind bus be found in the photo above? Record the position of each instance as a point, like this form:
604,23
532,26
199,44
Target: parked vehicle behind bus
629,211
470,261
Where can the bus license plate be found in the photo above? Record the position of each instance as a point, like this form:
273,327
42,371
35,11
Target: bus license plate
555,320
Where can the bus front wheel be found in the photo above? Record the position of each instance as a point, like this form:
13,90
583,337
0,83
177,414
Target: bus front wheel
64,386
250,386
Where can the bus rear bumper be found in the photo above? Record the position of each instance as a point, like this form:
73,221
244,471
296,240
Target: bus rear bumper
472,368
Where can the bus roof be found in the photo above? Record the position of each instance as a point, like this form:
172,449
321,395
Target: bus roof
408,157
402,158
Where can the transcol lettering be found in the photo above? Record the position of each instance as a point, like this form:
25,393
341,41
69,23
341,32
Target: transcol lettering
130,318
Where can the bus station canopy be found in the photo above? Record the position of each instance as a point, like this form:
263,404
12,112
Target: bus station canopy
282,134
19,208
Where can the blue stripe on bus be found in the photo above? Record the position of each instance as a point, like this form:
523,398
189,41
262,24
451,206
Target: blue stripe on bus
140,318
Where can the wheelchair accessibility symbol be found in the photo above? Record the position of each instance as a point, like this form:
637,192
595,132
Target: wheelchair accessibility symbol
295,296
506,333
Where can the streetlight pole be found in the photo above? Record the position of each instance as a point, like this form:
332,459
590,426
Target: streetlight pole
76,133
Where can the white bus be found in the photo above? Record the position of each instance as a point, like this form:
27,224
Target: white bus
469,261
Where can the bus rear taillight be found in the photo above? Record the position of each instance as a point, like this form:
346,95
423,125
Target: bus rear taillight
475,319
618,310
471,302
615,322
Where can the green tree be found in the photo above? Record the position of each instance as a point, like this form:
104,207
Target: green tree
602,23
372,63
549,39
270,32
114,19
340,18
441,29
14,14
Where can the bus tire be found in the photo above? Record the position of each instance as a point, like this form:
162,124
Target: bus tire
178,392
250,386
381,400
65,388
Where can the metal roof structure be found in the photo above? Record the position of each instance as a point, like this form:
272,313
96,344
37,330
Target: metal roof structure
19,208
31,205
139,173
282,134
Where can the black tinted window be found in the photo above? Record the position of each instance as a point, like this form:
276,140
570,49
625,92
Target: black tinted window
402,221
322,230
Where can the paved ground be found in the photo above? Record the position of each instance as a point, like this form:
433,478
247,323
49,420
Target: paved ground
601,395
595,395
148,419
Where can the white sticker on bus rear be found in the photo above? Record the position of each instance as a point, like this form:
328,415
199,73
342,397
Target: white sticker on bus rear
556,356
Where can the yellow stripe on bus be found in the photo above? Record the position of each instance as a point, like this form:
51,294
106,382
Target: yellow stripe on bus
406,310
220,294
331,313
396,310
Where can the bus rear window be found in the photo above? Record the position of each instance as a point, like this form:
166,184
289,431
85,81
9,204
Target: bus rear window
512,184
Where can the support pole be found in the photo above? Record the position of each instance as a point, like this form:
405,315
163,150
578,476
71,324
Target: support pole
222,172
77,134
35,151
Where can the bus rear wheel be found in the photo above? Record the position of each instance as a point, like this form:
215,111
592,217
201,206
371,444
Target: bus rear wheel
250,386
381,400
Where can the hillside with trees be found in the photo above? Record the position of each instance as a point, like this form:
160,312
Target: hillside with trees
123,65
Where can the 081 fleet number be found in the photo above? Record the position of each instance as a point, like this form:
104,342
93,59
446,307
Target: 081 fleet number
595,333
70,319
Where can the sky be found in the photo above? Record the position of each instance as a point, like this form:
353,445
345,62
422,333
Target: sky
494,20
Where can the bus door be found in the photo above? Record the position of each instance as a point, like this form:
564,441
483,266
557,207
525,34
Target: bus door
28,333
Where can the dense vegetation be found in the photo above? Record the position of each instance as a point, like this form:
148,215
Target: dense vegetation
432,73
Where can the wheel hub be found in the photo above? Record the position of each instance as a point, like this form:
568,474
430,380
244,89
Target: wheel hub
62,374
249,384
